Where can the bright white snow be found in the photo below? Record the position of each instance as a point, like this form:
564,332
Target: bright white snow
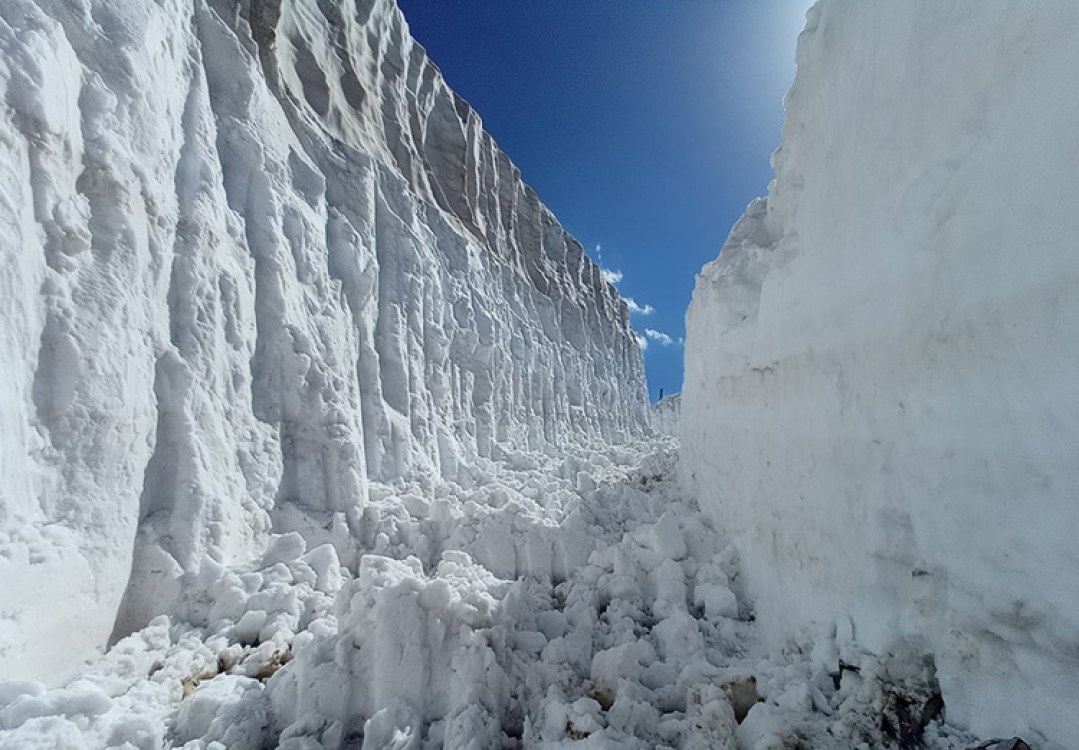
256,255
314,410
666,415
579,602
881,393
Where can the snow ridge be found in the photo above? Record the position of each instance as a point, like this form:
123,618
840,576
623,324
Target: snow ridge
256,256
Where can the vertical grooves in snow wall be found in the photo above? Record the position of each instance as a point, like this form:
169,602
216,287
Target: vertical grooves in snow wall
881,398
254,254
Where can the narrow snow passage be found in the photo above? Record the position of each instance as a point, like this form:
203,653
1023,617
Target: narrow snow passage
543,603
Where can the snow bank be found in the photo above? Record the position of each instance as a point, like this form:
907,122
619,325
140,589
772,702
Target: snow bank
881,396
256,255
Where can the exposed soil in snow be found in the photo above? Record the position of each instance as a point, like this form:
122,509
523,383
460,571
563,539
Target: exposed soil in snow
544,603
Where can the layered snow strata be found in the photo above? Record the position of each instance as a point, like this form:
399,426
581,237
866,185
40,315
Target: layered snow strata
881,402
254,255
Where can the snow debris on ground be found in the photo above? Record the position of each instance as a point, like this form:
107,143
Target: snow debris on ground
580,603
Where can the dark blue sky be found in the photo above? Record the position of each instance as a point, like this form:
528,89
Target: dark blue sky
646,125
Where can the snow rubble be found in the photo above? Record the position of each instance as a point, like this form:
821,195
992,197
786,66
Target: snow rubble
255,256
881,397
580,602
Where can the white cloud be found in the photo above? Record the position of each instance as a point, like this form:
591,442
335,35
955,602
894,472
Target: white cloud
658,336
635,308
611,277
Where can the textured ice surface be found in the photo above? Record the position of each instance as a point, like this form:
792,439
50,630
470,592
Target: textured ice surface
256,255
881,397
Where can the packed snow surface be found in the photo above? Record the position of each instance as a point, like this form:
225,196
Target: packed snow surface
881,402
256,255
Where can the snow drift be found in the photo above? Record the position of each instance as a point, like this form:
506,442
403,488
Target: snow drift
881,401
255,255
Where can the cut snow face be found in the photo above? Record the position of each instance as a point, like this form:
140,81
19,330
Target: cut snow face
256,255
566,603
881,401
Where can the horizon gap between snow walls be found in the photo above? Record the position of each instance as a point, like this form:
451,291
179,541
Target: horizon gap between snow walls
254,256
881,402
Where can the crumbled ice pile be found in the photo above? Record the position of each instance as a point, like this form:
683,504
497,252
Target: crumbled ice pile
580,603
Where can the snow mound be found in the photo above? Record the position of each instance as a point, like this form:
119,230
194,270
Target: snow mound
880,398
256,255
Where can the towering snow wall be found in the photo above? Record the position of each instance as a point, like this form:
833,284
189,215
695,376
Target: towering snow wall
254,255
882,389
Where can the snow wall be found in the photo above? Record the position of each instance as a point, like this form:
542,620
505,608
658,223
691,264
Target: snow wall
253,254
666,413
882,390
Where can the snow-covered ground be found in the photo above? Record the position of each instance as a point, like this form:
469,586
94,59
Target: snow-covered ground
881,401
577,603
666,415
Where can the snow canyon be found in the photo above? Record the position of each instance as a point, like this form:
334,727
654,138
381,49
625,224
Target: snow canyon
320,432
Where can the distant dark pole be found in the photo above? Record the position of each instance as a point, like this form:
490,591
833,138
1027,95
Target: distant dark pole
660,394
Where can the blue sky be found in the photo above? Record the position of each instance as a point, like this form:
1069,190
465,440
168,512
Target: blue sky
646,125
